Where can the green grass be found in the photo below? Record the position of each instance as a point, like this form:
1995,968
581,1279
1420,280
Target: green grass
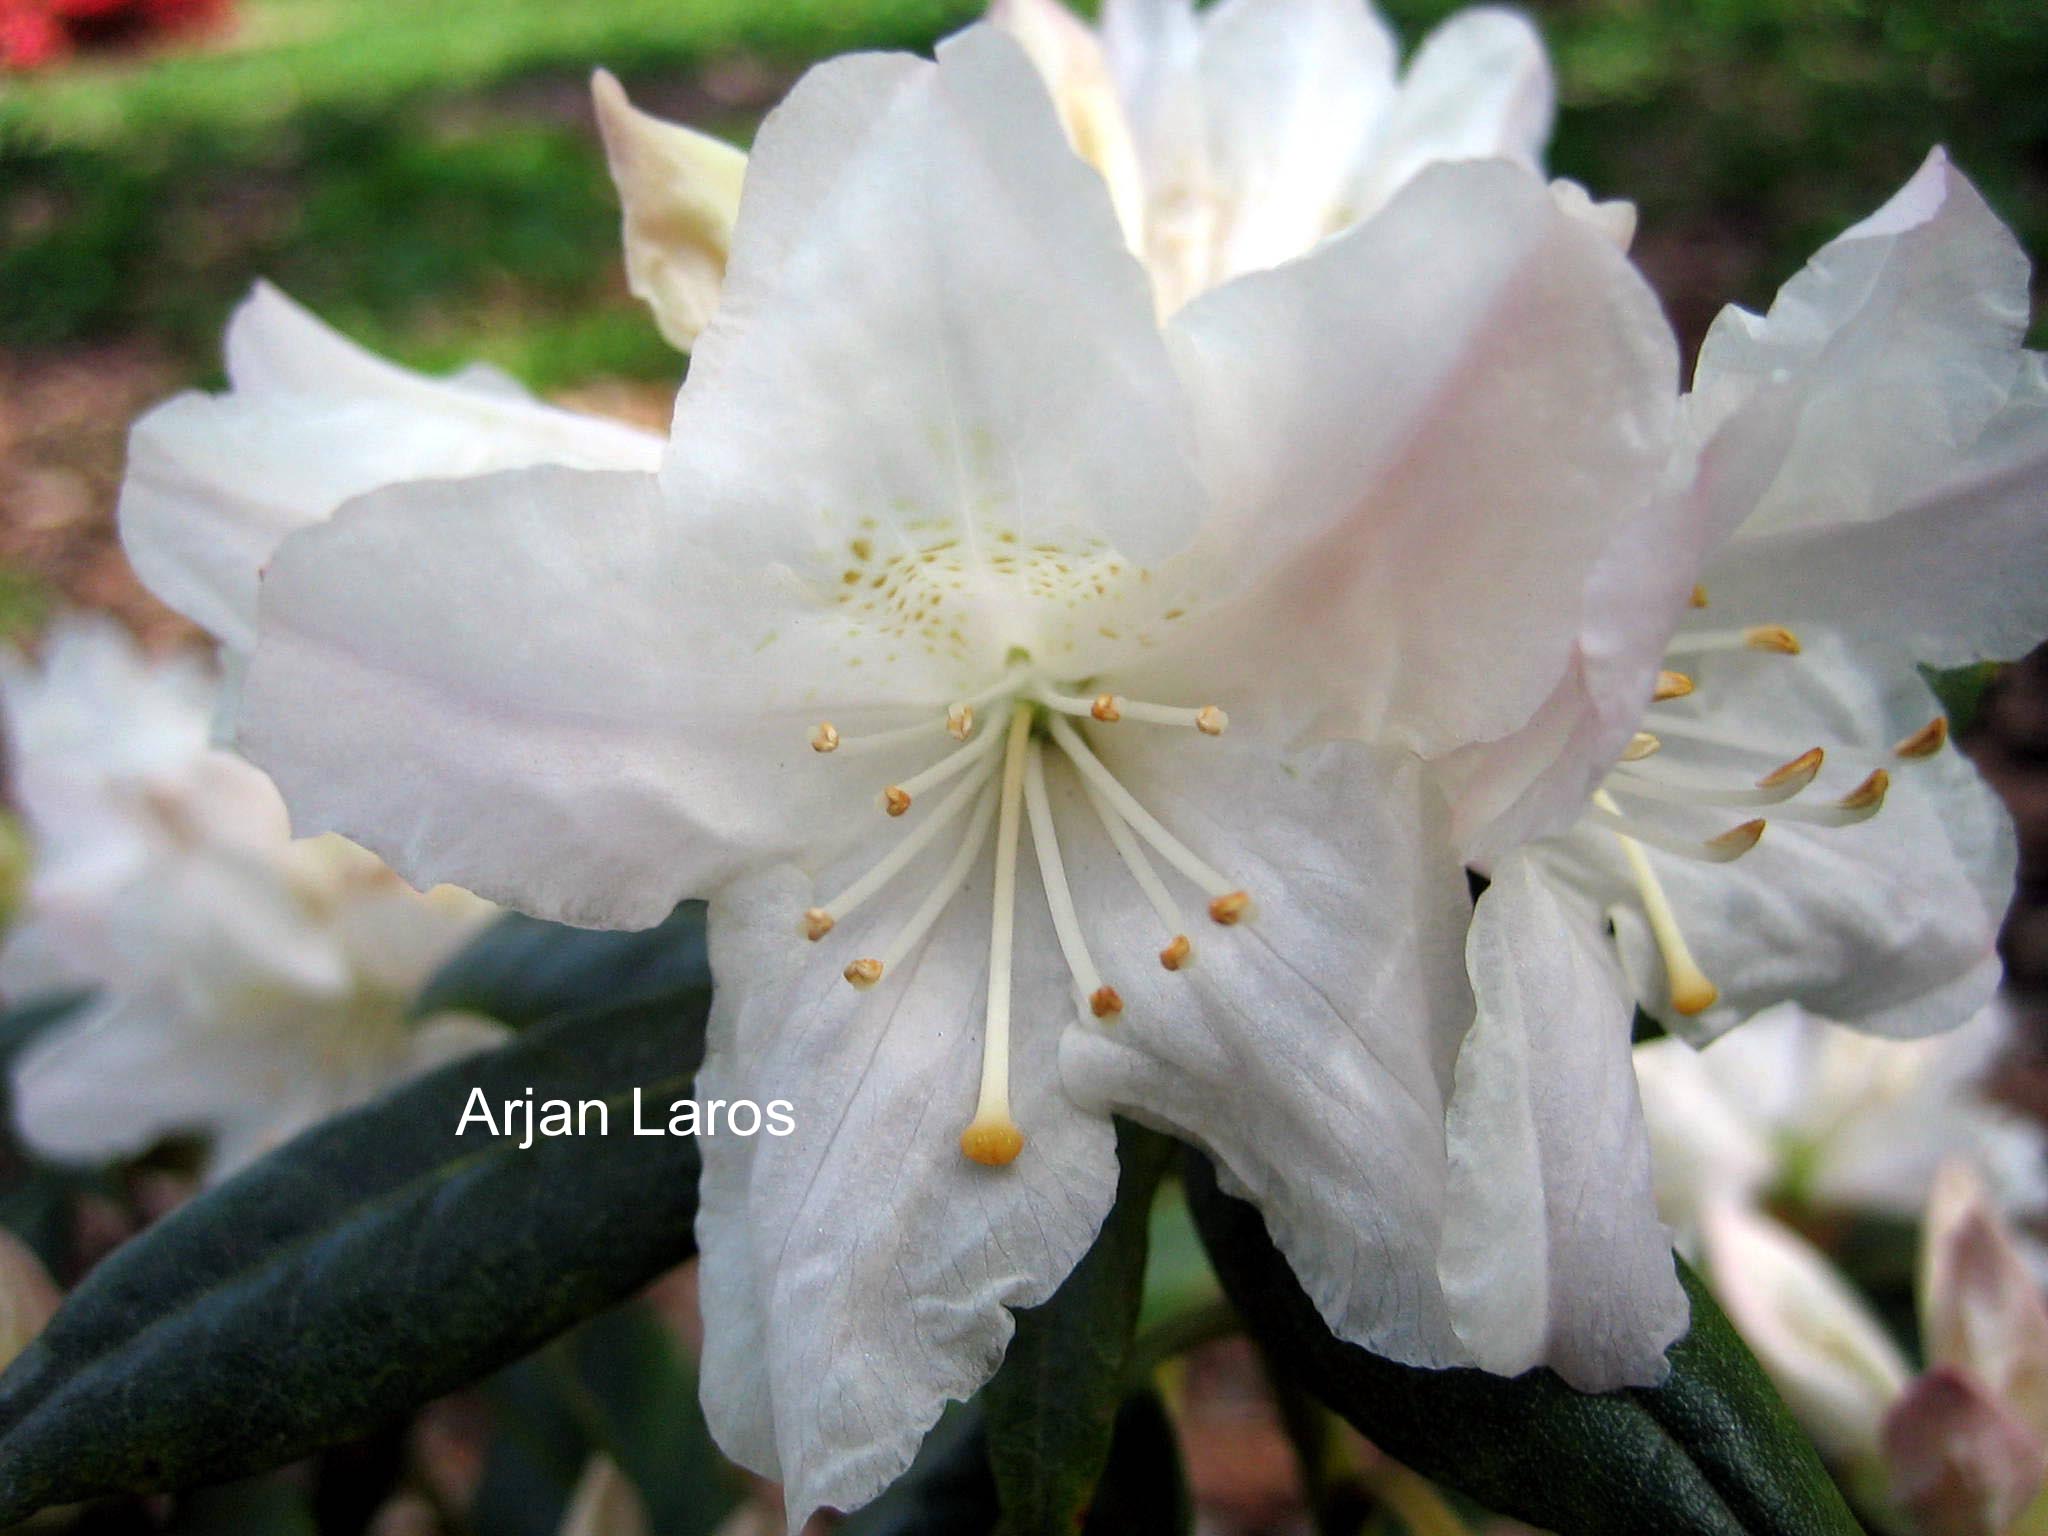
420,172
293,56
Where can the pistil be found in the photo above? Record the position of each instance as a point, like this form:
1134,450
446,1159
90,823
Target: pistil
992,1138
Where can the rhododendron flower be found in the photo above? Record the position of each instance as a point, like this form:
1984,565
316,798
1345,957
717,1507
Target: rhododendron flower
1230,139
1788,1107
240,986
215,482
956,552
1858,490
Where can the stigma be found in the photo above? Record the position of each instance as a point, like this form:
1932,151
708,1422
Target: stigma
988,789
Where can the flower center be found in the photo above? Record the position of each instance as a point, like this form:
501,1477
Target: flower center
1650,791
995,779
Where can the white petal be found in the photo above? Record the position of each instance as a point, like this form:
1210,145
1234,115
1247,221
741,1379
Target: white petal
1293,90
214,484
1902,432
861,1271
1430,553
591,711
1706,1141
1309,1048
1954,570
1553,1253
930,321
680,190
1069,57
1479,87
115,1080
1890,925
1836,1366
1899,337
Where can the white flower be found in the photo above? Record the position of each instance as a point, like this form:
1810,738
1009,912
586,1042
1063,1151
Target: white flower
1838,1369
1861,488
242,985
1790,1107
214,483
950,527
1231,139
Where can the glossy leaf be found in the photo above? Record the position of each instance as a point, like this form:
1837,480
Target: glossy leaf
1712,1452
375,1262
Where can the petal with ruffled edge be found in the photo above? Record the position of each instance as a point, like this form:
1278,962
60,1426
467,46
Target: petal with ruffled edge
1478,88
1430,553
1904,435
1553,1253
1309,1048
860,1271
1890,924
680,192
215,483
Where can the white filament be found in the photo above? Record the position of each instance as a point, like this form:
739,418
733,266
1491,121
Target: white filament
1059,897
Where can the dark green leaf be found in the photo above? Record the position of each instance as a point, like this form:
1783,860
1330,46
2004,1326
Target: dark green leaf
1712,1452
1052,1406
1961,690
948,1491
373,1263
261,1506
1143,1490
617,1386
521,970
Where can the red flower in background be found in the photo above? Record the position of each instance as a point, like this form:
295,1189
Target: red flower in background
36,33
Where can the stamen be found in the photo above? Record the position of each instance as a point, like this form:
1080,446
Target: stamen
1112,707
1802,768
1178,950
938,898
1059,898
1691,991
992,1137
1141,821
1720,849
1926,741
960,721
1774,788
896,798
1229,908
1640,746
1860,804
818,921
826,738
1670,685
1699,596
1757,637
